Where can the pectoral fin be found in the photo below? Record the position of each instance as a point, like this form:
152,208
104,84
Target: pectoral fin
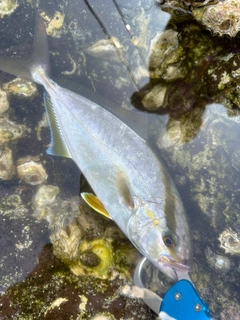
95,203
124,191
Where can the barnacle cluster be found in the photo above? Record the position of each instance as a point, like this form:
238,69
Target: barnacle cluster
74,235
222,18
28,169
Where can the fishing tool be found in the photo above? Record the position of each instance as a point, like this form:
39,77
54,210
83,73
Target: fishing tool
181,301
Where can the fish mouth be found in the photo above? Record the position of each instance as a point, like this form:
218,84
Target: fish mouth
171,267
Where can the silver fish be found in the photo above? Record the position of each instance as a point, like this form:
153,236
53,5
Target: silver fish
131,183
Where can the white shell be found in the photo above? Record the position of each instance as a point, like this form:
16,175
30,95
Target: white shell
230,241
31,171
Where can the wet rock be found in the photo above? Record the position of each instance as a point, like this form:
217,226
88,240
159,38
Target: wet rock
166,57
217,261
89,259
220,17
70,225
155,97
51,291
13,207
181,129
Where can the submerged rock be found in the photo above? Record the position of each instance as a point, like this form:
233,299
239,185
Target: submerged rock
166,57
75,236
222,18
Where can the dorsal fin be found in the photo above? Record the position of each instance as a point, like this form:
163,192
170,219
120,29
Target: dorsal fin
57,146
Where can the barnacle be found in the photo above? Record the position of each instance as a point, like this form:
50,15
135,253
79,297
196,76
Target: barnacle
9,130
7,7
43,200
31,171
230,241
54,24
20,87
222,18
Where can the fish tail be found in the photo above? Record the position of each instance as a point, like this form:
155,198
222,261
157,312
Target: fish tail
27,69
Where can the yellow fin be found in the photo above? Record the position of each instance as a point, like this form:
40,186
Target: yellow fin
95,203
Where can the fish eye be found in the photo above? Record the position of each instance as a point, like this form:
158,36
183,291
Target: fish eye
168,241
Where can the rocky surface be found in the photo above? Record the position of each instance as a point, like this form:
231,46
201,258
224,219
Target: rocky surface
193,81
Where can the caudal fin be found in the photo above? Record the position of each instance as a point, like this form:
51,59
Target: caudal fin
26,68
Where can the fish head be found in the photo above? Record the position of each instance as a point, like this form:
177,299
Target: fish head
174,249
173,252
163,239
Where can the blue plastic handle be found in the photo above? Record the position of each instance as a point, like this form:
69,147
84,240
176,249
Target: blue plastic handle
182,302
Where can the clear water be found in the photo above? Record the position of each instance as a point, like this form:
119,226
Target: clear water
195,132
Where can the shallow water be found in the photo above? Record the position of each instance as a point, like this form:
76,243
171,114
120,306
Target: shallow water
189,82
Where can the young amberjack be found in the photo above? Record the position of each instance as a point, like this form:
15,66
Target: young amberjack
130,183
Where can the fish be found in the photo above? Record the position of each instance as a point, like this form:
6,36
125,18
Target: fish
130,183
